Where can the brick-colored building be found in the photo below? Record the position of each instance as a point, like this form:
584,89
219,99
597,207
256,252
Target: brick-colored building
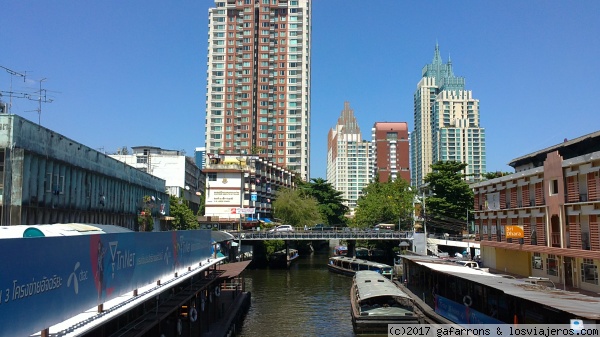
554,198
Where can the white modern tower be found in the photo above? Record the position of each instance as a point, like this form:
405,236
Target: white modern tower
446,118
348,158
258,81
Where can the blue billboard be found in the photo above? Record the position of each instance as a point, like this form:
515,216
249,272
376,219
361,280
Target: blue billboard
46,280
461,314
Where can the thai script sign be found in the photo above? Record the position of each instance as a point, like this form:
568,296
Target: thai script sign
71,274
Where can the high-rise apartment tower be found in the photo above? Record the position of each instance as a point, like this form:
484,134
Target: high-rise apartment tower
390,151
258,80
348,158
446,118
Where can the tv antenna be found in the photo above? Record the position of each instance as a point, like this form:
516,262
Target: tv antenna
12,73
41,98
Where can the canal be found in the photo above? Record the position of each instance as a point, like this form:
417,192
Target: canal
306,300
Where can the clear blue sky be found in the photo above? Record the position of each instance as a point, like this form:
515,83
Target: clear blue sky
129,73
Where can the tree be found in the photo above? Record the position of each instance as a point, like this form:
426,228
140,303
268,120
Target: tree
184,217
295,209
385,202
497,174
202,205
145,219
450,198
330,201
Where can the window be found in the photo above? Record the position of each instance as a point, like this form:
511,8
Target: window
536,261
212,176
552,265
589,271
554,187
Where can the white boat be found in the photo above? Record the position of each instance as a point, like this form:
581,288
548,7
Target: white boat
349,266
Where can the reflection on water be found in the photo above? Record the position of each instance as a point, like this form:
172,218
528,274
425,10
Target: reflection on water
306,300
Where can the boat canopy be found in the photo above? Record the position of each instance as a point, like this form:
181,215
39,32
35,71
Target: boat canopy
372,284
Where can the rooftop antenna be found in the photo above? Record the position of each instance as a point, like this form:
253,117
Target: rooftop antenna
12,73
41,98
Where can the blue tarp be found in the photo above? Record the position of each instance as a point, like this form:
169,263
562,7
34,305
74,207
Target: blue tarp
267,220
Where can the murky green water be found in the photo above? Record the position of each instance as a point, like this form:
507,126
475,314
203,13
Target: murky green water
306,300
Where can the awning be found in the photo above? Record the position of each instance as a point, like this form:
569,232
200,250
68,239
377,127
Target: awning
233,269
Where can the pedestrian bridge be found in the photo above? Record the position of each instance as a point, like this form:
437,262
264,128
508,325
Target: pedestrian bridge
321,235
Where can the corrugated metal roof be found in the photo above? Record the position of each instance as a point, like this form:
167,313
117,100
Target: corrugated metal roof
575,303
372,284
233,269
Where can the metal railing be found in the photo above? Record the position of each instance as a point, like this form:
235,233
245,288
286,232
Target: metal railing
322,235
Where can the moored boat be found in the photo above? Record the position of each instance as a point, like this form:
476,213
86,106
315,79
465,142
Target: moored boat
340,250
283,258
349,266
377,302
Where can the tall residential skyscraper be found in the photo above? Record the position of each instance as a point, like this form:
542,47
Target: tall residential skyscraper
348,158
390,151
446,123
258,80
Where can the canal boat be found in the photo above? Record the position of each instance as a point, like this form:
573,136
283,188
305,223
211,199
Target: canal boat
377,302
283,258
349,266
340,250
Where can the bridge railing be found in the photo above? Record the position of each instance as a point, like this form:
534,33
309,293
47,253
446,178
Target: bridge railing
321,235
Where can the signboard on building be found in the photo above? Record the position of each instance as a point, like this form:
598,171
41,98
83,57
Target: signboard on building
239,210
222,197
515,232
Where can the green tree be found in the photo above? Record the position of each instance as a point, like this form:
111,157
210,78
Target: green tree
450,196
184,217
296,209
385,202
202,205
497,174
330,201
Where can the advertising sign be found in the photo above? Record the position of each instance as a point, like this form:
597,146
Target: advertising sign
216,197
247,210
515,232
65,276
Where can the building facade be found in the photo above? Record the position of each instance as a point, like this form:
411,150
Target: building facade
446,118
348,158
200,157
390,151
258,80
181,175
544,220
47,178
248,182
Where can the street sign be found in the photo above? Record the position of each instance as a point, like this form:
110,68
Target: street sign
247,210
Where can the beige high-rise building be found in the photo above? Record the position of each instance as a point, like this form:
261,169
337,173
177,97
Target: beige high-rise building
348,158
258,81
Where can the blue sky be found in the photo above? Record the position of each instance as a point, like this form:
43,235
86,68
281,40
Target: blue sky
129,73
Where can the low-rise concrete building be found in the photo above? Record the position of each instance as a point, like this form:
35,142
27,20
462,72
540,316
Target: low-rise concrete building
241,181
181,174
46,177
544,219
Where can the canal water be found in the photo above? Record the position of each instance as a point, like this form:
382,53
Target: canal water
306,300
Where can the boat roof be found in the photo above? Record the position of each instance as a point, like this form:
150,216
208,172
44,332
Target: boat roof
361,261
372,284
59,229
576,303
